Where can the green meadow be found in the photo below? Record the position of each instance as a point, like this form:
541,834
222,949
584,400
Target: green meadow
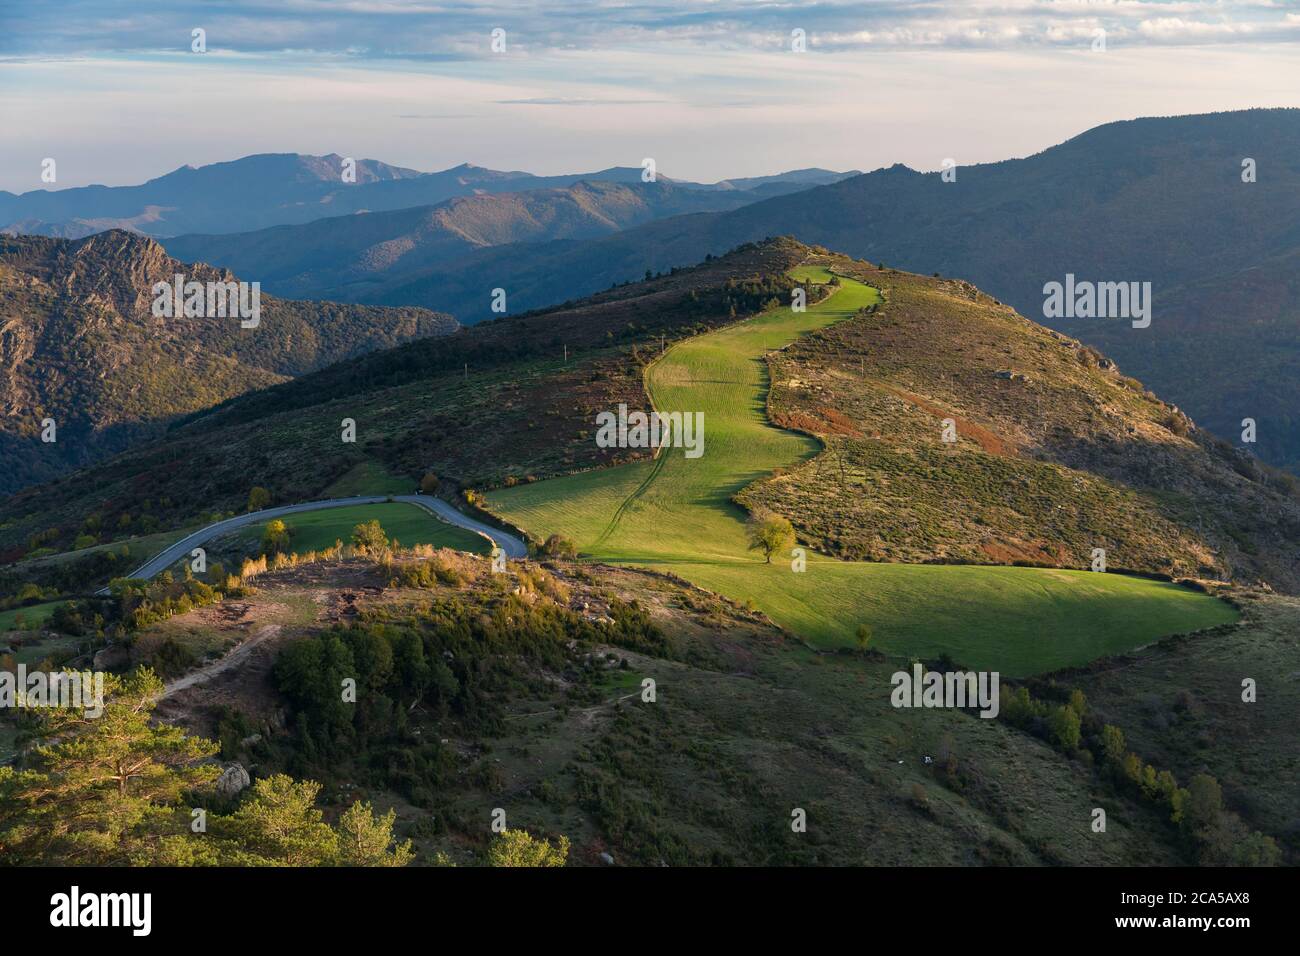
677,514
21,618
410,525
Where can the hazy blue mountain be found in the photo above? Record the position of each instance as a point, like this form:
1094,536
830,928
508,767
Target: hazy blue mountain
272,189
357,257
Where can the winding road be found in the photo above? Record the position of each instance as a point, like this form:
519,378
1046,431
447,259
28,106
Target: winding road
513,546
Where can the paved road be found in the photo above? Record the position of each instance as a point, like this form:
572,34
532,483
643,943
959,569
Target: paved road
511,545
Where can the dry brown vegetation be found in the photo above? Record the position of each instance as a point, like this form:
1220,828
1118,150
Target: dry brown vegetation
1057,452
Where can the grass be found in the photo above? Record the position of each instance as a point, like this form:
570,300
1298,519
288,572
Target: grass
55,648
138,549
317,530
677,514
1179,705
368,478
32,615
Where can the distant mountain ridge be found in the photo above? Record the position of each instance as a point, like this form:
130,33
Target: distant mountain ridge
359,257
271,189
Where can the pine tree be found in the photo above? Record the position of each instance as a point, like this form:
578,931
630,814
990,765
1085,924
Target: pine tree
105,790
364,839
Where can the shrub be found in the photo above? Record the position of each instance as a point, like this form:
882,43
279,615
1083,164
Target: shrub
558,546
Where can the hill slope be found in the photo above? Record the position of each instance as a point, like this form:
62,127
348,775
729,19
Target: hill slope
355,258
79,344
1157,200
1057,451
677,515
501,403
1230,350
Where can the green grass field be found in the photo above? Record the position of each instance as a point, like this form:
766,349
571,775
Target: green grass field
317,530
676,514
26,617
369,478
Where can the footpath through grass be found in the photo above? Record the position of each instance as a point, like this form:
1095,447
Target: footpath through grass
676,514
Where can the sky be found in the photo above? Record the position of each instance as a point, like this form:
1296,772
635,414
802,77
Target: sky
114,92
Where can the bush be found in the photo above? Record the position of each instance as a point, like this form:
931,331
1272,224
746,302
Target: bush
518,848
558,546
369,536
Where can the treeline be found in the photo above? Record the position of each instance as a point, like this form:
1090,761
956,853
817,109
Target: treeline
744,297
1213,834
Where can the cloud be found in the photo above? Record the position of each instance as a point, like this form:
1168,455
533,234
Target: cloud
712,92
570,101
460,29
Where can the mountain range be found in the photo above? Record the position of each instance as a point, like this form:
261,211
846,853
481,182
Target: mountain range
1204,208
1223,345
364,257
271,189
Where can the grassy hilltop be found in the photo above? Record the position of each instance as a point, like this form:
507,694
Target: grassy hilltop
677,514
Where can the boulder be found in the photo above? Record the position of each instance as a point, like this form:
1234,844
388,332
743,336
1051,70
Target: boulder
111,657
233,779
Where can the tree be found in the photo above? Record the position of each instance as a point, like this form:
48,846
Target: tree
364,839
558,546
369,536
1112,744
116,790
1064,725
258,498
518,848
1258,850
429,484
769,533
1204,805
864,636
1078,702
275,537
279,825
104,790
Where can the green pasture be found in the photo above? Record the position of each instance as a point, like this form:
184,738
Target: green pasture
677,514
410,525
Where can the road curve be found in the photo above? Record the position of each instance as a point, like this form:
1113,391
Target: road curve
513,546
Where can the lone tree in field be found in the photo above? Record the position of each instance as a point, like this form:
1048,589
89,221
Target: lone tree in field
369,536
769,533
558,546
863,637
275,537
